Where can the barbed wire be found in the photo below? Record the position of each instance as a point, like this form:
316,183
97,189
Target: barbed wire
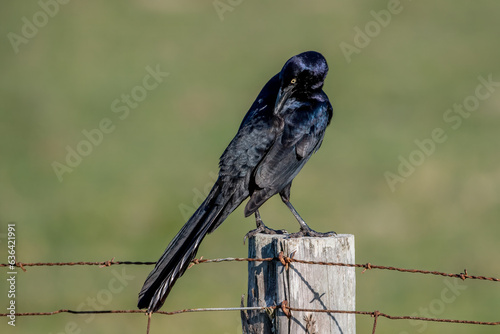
283,306
285,261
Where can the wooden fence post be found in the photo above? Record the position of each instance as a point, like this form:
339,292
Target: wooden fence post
306,286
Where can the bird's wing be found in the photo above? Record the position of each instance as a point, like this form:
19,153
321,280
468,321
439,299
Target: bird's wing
254,137
303,132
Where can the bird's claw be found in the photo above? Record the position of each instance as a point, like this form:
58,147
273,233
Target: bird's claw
308,232
264,230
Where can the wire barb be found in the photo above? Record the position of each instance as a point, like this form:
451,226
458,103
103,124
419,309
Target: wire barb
107,263
367,266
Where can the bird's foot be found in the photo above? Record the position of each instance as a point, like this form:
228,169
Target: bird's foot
309,232
261,228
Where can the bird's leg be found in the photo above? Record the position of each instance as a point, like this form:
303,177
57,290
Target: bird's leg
305,230
262,228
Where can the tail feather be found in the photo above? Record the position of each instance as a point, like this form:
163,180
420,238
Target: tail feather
181,250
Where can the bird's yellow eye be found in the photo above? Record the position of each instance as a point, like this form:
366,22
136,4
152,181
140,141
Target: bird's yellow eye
293,81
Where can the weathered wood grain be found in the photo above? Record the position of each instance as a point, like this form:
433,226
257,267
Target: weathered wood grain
302,285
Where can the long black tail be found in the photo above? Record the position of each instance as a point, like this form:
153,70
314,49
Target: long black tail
182,249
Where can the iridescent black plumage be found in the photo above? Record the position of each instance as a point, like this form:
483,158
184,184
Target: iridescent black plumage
283,128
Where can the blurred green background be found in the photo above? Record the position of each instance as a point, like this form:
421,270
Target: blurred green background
129,196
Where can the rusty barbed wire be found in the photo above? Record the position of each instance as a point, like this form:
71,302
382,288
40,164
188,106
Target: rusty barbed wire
285,260
282,306
79,263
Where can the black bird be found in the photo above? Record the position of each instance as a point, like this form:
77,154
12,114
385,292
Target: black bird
283,128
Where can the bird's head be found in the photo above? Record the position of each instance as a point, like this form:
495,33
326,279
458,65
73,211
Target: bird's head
305,72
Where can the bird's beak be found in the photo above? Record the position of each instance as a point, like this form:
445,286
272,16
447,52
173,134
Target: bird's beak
283,95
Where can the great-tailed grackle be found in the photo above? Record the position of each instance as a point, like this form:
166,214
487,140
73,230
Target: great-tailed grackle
283,128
